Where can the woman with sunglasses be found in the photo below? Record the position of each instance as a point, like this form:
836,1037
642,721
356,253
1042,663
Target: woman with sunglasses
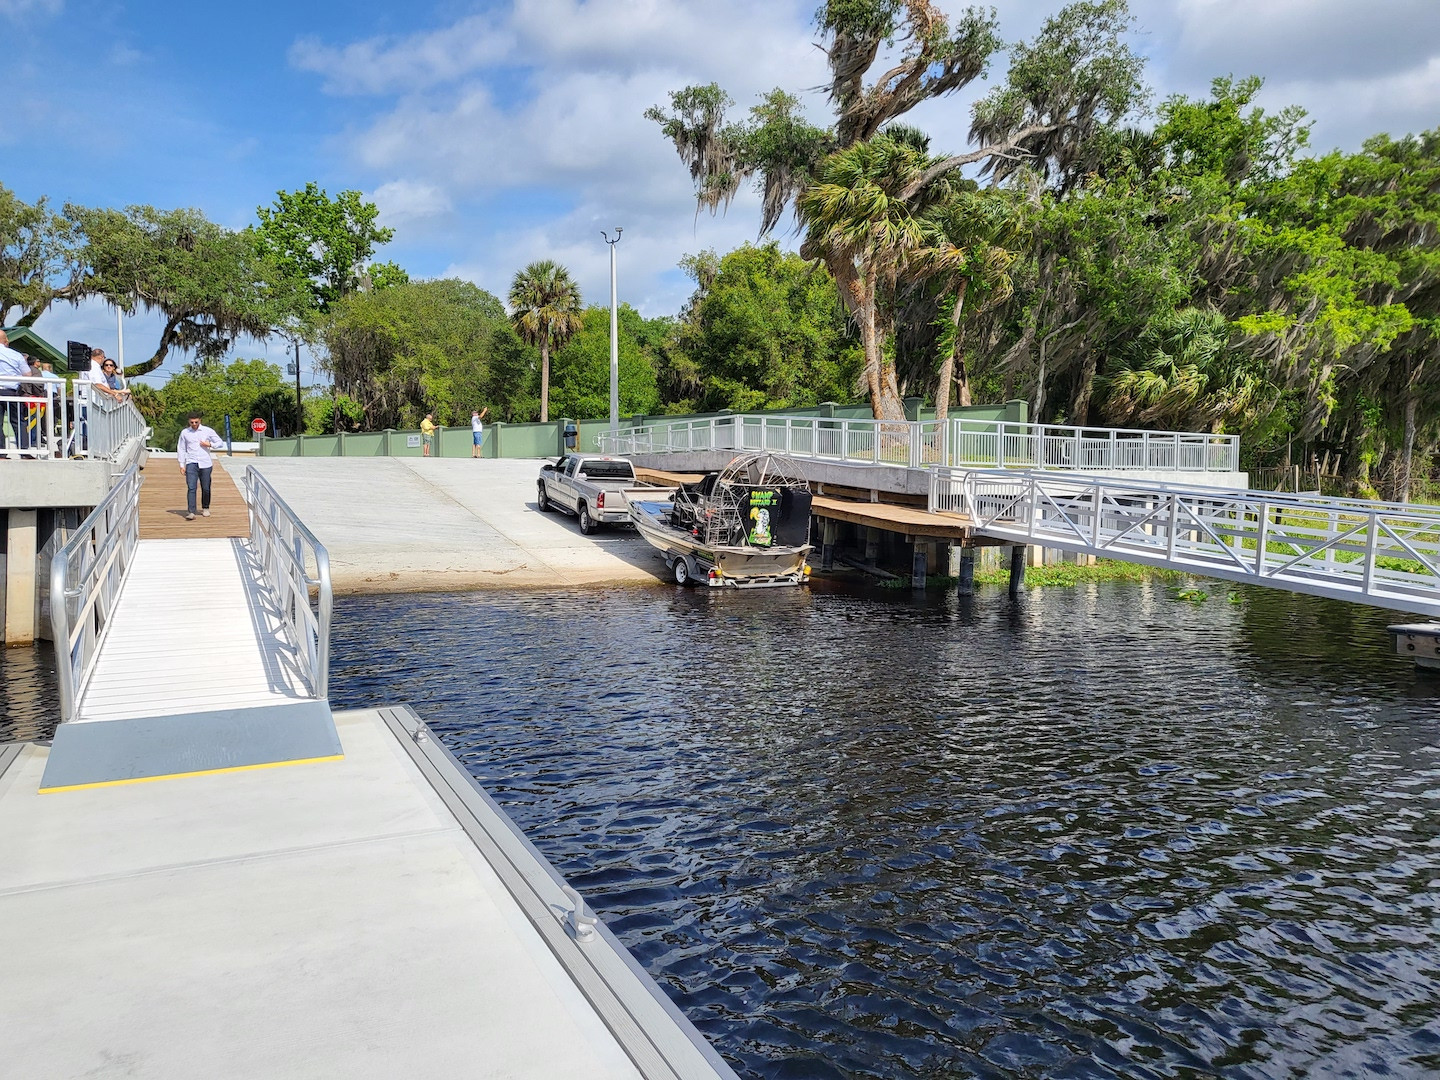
105,376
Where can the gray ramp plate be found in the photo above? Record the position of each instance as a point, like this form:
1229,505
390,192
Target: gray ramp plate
146,748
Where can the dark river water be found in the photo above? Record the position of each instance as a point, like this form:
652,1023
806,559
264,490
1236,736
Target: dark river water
1090,832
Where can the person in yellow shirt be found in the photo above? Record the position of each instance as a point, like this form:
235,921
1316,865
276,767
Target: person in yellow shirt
427,432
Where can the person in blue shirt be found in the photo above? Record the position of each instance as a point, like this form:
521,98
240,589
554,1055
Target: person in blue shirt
13,369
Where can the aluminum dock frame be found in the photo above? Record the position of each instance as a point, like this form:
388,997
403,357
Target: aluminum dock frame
375,915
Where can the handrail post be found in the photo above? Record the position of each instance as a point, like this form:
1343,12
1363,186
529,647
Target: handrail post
1372,541
1262,533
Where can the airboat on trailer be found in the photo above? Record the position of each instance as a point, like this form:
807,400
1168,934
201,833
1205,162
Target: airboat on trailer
746,526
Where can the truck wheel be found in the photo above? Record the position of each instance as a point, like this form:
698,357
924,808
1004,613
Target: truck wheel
587,523
683,573
542,500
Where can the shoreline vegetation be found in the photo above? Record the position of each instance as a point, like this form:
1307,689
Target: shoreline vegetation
1056,574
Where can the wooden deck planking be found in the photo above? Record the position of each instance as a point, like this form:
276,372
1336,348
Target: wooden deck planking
162,505
194,630
893,518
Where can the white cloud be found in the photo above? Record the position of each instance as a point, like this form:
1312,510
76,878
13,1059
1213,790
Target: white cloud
384,65
403,201
525,124
18,9
1311,39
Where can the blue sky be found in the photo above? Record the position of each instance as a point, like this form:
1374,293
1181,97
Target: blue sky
494,134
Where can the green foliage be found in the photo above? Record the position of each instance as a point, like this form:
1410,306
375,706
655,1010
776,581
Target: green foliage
322,410
418,347
386,275
581,375
245,389
210,284
321,244
766,330
38,260
861,194
1067,574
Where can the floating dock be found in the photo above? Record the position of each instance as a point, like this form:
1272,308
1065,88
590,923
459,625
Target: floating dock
371,916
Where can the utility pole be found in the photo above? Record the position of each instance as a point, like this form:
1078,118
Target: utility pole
614,339
299,406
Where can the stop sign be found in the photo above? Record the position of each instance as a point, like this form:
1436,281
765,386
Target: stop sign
258,426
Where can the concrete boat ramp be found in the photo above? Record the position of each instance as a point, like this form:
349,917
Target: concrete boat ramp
242,884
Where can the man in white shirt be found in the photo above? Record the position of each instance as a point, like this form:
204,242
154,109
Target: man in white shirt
13,368
193,450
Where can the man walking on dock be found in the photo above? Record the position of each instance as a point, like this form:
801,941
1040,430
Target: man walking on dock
193,450
427,432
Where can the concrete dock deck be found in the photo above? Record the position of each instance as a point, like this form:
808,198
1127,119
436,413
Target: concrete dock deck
374,916
430,524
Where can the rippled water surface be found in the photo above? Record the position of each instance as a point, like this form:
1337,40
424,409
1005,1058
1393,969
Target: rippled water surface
1089,832
29,694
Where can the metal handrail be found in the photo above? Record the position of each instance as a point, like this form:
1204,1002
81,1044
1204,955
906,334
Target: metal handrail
1387,554
86,577
48,412
285,550
108,423
927,444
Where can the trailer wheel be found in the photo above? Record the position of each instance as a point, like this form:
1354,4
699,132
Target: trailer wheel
587,523
684,573
542,500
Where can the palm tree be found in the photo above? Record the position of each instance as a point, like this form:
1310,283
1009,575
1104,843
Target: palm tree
545,308
858,224
973,231
1184,372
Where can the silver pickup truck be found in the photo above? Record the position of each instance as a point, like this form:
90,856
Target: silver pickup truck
590,486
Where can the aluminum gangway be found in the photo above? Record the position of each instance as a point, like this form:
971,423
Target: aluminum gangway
1385,554
185,638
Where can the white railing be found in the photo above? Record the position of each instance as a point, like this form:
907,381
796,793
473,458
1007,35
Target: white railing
1387,554
108,423
287,553
54,424
86,576
994,444
36,423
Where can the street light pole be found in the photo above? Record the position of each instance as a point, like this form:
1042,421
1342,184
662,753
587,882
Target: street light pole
614,339
299,405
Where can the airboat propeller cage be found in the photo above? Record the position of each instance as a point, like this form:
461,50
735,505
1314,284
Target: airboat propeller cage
760,499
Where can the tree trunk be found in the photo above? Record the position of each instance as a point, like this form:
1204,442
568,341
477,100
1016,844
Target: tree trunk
1407,448
544,378
1040,370
858,295
1080,401
167,340
947,366
1037,400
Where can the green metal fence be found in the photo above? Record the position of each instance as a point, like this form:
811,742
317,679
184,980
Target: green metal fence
548,439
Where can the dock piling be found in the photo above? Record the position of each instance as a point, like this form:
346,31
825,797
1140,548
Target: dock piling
827,546
966,585
1017,568
918,565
